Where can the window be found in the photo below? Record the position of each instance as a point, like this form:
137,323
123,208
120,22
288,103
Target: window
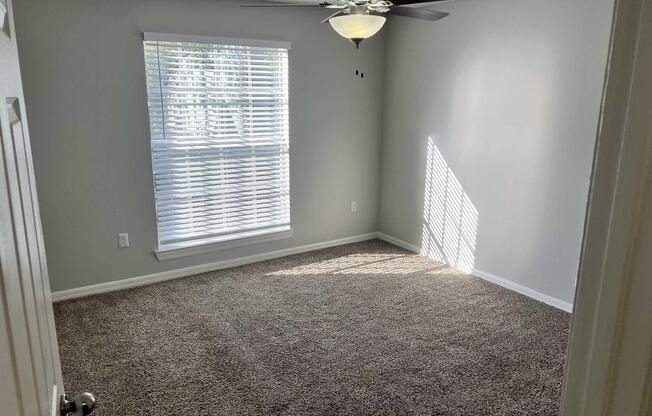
218,112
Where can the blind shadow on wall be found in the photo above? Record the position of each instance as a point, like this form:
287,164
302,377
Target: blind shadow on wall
450,219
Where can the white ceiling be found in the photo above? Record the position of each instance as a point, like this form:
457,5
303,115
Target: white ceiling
334,1
296,1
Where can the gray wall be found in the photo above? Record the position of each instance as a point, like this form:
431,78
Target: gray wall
508,91
83,72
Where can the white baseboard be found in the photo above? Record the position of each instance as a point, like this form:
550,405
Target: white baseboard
202,268
397,242
224,264
524,290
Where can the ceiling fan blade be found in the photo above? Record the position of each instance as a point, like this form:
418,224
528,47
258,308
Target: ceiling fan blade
406,2
337,13
323,5
417,13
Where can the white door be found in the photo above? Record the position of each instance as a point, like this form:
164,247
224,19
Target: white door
30,373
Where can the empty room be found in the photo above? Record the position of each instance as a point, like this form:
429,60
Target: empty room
347,207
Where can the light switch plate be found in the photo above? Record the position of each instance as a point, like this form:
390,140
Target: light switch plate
123,240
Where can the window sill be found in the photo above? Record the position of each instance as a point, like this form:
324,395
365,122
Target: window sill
238,240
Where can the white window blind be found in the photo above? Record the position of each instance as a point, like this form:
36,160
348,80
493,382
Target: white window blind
219,139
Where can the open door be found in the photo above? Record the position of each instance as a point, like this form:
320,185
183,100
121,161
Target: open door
30,381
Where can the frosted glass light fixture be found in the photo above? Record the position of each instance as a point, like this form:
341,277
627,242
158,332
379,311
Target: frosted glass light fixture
357,27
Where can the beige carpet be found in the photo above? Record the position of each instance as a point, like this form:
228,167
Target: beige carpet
362,329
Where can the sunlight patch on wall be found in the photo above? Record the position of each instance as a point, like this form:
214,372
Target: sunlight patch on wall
450,219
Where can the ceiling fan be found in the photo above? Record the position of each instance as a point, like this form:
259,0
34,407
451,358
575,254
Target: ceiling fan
358,20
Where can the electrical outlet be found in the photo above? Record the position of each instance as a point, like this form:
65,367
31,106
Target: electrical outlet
354,206
123,240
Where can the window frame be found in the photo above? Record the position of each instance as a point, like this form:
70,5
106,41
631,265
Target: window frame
236,239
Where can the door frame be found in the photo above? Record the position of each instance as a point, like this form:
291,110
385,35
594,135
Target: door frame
603,354
31,380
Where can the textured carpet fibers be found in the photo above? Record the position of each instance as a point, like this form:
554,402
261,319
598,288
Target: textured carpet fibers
362,329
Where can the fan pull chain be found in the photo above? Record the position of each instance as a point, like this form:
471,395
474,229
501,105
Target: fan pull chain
358,67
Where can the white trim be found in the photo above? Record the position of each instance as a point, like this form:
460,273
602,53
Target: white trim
3,13
507,284
224,264
398,242
202,268
260,236
524,290
54,409
609,351
174,37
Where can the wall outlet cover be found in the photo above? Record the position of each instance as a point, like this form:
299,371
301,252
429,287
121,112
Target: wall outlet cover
123,240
